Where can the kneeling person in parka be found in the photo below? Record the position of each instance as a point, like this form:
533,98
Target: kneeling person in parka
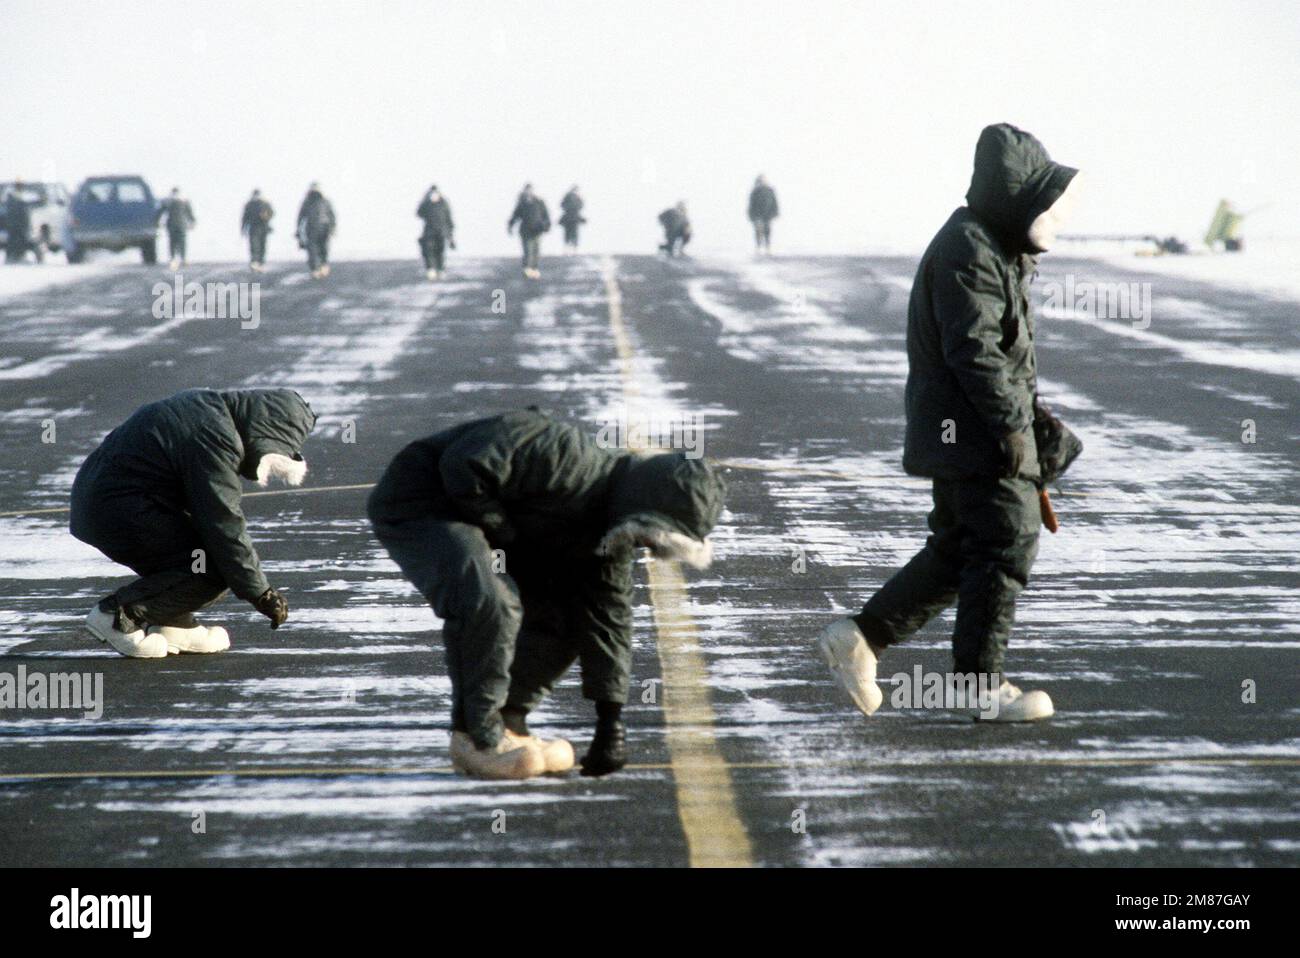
521,531
161,496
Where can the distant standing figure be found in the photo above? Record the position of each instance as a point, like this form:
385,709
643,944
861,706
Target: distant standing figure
534,220
18,224
316,224
762,210
178,213
677,229
572,216
255,224
438,231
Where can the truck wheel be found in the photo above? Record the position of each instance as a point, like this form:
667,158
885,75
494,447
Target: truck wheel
149,252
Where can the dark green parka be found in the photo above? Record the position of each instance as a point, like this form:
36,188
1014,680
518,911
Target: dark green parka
184,456
972,372
548,493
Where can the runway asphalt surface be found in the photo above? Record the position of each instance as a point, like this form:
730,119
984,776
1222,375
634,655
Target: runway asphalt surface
1163,618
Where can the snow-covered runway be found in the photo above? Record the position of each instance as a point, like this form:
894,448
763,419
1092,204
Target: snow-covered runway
1170,590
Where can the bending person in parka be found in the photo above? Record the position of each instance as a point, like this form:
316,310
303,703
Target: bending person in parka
971,405
161,496
520,532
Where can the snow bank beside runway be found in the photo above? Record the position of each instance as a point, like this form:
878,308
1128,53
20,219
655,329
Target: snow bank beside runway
1265,267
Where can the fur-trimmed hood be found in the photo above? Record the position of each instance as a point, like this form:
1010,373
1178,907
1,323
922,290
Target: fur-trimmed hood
270,422
1014,180
668,503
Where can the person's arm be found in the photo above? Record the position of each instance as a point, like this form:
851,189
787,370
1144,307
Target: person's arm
602,607
246,221
212,492
516,216
969,301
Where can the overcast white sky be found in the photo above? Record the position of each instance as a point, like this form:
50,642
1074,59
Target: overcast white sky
863,115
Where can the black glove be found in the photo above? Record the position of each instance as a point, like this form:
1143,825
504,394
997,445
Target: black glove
1014,449
1057,445
272,605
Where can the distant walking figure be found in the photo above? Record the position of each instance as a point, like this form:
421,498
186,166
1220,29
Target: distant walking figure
435,211
256,224
762,210
572,217
178,213
534,219
316,224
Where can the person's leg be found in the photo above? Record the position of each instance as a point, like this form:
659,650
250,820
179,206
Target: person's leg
926,585
451,564
169,597
324,248
543,651
313,252
426,251
439,251
1000,520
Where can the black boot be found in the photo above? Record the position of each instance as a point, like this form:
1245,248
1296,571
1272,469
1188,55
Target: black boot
608,750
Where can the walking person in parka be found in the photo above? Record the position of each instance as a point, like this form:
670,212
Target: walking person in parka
763,209
520,531
256,225
438,232
161,495
178,213
534,219
571,217
971,402
316,223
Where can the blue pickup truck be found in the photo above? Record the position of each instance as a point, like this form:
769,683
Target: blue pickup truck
114,212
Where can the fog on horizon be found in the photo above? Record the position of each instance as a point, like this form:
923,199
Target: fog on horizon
863,116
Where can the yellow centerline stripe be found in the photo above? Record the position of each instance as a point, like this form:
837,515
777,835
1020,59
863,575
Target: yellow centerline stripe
706,798
326,771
